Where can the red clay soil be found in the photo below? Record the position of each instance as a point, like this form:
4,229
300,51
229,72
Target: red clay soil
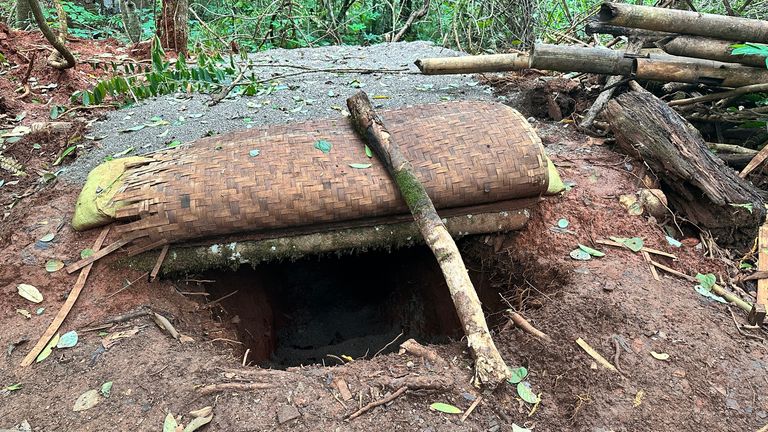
711,381
48,86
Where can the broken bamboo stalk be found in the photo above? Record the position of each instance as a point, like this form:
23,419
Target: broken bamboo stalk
389,236
490,369
756,161
757,313
754,88
565,58
698,71
731,148
610,87
473,64
686,22
707,48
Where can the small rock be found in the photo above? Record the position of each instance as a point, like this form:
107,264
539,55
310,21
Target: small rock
409,364
287,413
732,403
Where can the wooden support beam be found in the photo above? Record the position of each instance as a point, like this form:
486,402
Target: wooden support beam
473,64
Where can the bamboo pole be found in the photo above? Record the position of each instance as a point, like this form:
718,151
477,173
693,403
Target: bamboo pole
597,27
707,48
679,69
579,59
686,22
490,369
473,64
755,88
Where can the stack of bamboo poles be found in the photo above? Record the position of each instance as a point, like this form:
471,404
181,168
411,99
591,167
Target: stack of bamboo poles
691,48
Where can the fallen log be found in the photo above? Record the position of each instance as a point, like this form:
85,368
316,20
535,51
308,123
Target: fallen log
686,22
707,48
473,64
490,369
565,58
232,254
696,182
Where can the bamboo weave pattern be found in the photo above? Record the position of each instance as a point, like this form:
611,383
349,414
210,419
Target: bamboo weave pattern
465,153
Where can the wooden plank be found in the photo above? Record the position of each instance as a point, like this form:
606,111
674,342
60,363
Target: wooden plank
159,263
757,314
54,326
96,256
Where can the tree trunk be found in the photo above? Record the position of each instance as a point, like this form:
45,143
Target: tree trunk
23,14
172,25
62,58
696,182
687,22
698,71
490,369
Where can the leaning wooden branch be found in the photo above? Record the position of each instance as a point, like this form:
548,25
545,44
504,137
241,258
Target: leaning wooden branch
58,43
490,369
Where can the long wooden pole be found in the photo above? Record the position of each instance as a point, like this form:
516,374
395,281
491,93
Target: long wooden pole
686,22
707,48
490,369
472,64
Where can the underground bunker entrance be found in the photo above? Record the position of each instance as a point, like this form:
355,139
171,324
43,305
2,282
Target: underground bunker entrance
319,310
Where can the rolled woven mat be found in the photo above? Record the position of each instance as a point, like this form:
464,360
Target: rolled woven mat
278,177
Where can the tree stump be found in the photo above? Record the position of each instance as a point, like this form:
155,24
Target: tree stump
697,183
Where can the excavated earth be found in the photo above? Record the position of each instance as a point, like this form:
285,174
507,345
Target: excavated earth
711,380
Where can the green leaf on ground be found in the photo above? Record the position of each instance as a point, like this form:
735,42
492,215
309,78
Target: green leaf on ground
12,387
562,223
518,374
706,280
254,153
445,408
368,152
197,423
48,349
324,146
48,237
85,253
589,250
634,244
53,266
360,165
525,392
580,255
106,389
67,340
170,425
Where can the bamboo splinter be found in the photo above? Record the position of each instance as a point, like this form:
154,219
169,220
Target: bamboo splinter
490,369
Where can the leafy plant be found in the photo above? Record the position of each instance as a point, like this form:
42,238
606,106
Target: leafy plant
751,49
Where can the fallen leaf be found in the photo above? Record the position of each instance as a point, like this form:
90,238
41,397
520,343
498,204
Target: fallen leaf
589,250
24,313
323,145
39,311
563,223
518,374
53,266
48,349
580,255
170,425
380,97
368,151
634,244
525,392
48,237
707,280
445,408
709,294
106,389
67,340
202,412
87,400
516,428
360,165
638,398
254,153
133,128
660,356
30,293
85,253
197,423
12,387
111,339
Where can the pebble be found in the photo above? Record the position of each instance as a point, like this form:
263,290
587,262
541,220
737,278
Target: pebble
287,413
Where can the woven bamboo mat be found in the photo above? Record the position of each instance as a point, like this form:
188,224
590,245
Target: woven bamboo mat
465,153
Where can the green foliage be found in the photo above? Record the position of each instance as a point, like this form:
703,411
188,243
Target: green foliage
751,49
139,81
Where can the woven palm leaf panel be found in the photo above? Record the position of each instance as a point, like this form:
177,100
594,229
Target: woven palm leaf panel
465,153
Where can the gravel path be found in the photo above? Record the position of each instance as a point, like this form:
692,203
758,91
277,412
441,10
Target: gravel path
297,98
